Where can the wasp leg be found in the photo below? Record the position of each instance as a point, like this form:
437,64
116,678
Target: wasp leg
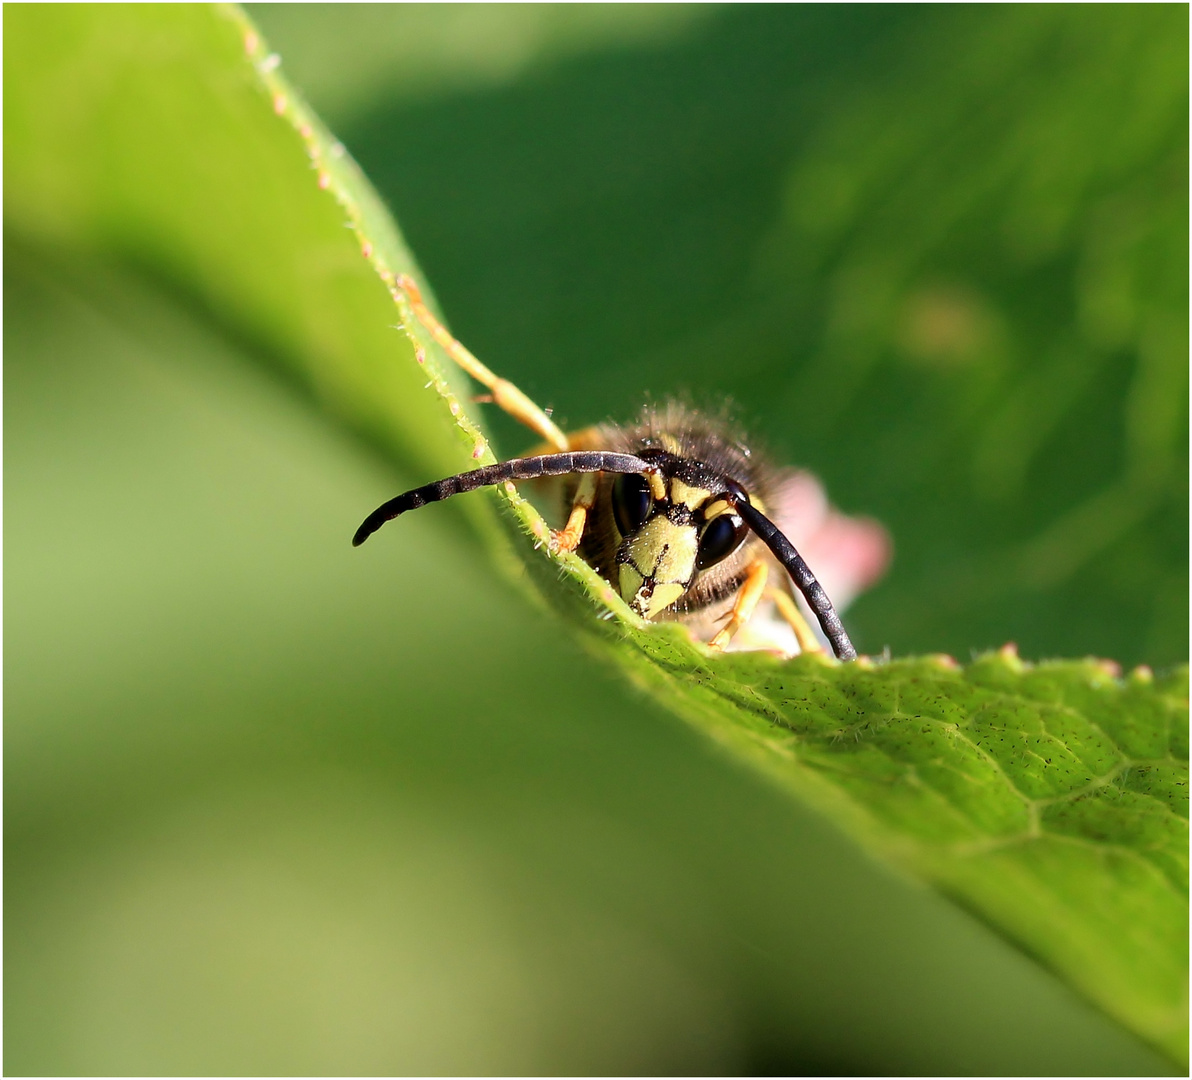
594,438
789,610
751,592
589,438
567,539
504,393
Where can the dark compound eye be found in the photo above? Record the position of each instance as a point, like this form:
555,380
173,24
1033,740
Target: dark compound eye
631,502
721,537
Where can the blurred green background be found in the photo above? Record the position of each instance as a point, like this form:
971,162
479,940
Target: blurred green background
937,255
275,806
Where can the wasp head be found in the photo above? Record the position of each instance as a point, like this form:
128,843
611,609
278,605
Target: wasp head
673,525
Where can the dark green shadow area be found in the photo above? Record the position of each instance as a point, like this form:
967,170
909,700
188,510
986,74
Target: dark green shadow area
936,254
274,805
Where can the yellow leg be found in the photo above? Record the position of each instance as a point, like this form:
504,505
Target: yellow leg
751,592
504,393
789,610
593,438
568,538
588,438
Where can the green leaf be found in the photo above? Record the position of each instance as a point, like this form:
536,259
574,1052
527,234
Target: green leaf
1050,800
173,119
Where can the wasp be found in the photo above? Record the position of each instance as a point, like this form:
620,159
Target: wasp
673,511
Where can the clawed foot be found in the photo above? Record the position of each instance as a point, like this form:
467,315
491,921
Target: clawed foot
563,542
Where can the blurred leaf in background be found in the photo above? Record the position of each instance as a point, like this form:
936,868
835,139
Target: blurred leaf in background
260,816
938,254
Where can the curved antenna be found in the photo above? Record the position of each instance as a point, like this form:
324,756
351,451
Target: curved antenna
579,461
784,551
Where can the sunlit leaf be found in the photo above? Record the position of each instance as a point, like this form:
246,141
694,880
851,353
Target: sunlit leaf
1049,800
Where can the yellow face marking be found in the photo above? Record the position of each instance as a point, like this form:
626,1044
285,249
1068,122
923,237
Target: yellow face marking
650,603
661,563
691,497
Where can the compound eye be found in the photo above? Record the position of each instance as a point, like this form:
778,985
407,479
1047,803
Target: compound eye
631,502
721,537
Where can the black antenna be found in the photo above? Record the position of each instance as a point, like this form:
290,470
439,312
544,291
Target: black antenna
590,461
784,551
581,461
